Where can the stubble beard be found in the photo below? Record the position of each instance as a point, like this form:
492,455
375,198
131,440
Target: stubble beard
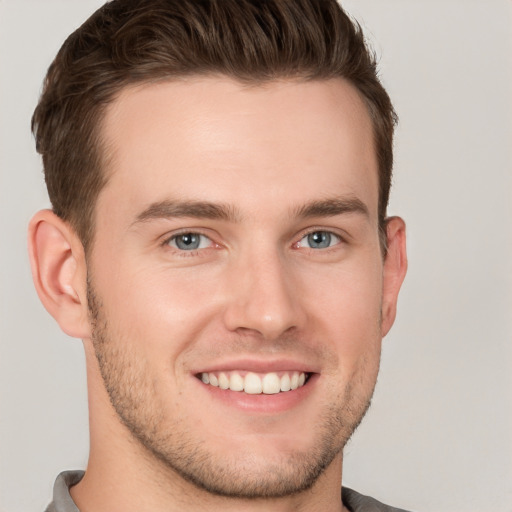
131,394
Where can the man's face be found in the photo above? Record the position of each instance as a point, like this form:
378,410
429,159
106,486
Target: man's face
237,244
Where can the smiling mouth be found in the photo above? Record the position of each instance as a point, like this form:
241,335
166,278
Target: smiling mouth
255,383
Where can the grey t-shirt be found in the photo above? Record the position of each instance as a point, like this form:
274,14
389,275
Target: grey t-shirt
62,501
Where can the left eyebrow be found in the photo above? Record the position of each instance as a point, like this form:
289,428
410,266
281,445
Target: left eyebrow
196,209
331,208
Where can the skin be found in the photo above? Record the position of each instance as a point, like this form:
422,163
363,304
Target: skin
274,163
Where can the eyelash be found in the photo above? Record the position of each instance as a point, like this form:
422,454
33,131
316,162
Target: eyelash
193,252
341,239
200,251
330,235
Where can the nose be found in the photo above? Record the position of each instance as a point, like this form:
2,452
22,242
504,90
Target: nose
262,298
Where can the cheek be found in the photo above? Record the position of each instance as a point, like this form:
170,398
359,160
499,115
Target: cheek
157,307
347,301
346,319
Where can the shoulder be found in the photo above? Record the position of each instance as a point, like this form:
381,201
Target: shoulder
356,502
62,501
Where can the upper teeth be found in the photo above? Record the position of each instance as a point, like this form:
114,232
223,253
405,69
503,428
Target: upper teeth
254,383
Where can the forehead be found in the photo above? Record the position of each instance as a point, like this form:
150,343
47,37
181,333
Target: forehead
215,139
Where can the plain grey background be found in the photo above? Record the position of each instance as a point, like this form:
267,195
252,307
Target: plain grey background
439,434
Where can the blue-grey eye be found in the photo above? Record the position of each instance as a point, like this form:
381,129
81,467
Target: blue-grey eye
319,240
189,241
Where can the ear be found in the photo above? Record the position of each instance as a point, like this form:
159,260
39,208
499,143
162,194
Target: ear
395,268
59,272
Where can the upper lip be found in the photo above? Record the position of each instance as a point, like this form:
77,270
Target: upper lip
258,366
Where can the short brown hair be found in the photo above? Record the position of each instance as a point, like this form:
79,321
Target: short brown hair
132,41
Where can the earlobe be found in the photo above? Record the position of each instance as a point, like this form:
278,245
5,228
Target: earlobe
395,268
59,272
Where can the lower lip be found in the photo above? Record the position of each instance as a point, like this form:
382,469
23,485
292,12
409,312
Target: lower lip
262,403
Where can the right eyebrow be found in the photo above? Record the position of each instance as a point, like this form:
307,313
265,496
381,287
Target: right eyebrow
332,207
197,209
